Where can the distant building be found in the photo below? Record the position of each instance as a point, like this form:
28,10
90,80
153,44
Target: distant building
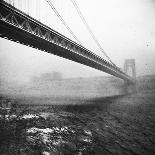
47,77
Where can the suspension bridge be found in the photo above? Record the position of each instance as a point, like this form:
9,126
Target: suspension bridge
17,24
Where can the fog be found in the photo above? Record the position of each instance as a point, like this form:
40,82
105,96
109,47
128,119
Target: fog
125,29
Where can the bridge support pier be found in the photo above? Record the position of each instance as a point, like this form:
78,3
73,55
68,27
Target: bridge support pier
129,88
130,69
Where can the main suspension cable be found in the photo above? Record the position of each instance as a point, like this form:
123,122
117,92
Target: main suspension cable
90,31
62,20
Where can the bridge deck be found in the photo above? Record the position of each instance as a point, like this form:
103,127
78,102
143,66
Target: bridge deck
17,26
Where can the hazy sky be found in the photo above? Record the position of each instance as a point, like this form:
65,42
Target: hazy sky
125,29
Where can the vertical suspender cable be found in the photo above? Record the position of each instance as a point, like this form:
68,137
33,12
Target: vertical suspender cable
63,22
38,9
13,3
90,31
28,9
19,4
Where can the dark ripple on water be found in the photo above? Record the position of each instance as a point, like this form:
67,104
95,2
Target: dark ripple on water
103,128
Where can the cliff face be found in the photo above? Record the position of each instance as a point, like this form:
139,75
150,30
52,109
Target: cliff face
146,83
78,87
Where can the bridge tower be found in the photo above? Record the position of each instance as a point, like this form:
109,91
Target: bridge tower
130,69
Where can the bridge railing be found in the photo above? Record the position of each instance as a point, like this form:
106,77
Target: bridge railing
23,21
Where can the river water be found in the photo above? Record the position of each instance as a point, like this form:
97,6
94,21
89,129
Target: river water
119,125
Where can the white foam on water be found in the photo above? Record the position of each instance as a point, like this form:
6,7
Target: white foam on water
29,116
34,130
46,153
88,132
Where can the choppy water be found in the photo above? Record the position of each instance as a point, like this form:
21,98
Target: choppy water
107,126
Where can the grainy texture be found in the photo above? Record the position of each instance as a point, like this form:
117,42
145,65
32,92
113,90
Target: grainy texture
114,125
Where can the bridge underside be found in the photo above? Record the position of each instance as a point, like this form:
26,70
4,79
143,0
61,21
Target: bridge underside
41,37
